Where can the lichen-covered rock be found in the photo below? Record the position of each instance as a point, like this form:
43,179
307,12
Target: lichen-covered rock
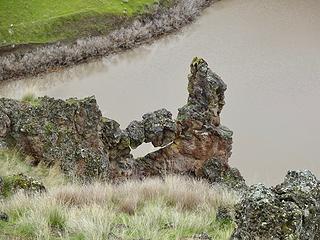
59,132
202,236
290,210
219,172
206,95
135,131
116,141
303,188
199,137
159,128
156,127
224,215
14,183
73,134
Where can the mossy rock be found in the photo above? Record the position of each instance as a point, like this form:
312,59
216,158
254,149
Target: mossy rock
14,183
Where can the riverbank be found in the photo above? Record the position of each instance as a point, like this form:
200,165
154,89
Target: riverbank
39,22
144,28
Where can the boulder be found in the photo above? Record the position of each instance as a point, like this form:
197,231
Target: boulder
136,134
20,182
290,210
206,95
225,215
4,217
157,127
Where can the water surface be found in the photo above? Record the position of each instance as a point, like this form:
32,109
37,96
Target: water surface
267,51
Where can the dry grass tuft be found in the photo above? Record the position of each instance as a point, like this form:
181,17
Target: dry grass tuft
173,208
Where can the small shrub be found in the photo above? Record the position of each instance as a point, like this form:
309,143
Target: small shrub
26,230
57,219
31,99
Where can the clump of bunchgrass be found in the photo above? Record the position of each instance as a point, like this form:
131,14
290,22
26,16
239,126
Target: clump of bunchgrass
13,162
57,219
30,98
171,208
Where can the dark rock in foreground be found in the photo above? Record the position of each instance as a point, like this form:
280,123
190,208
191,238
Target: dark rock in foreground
4,217
74,135
290,210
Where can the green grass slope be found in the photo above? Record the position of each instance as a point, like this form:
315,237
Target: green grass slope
43,21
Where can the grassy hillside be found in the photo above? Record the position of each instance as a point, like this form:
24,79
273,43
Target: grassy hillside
42,21
155,209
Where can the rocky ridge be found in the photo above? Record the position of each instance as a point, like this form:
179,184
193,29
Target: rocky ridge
73,134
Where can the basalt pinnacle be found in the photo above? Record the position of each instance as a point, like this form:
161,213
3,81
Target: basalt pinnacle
74,134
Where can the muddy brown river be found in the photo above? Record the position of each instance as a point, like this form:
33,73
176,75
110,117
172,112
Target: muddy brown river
267,51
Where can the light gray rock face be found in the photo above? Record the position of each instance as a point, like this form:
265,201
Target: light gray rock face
290,210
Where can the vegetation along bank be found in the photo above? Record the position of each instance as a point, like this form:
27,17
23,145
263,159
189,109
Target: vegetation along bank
57,35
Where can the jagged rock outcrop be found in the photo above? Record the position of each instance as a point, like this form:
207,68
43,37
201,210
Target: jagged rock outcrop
73,133
290,210
200,137
58,132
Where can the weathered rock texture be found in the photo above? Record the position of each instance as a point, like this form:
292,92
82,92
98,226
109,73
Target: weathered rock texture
56,131
200,137
73,133
290,210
